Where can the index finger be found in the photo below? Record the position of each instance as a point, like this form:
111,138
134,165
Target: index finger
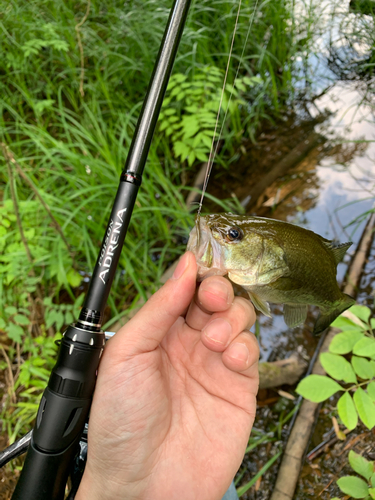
215,294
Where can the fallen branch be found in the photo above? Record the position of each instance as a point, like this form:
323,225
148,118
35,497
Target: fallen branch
294,157
286,371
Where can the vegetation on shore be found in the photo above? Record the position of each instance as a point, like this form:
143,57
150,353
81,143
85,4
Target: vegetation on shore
72,78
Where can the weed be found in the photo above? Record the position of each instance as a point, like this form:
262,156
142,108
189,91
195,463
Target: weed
357,340
71,93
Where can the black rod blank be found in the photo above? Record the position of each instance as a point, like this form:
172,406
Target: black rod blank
131,177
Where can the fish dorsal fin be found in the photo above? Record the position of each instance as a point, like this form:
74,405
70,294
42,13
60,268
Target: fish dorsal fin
294,314
338,250
260,304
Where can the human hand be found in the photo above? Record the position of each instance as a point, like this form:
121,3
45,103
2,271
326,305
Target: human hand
175,397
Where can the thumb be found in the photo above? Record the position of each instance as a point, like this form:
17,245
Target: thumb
145,331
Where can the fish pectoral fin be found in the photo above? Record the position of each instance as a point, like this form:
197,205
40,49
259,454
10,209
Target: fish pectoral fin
260,304
327,317
294,314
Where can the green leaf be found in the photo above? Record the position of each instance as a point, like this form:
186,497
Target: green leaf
362,312
360,465
77,305
318,388
181,149
24,376
191,158
164,124
14,332
190,126
372,492
69,318
371,390
362,367
39,107
74,278
10,310
365,407
343,342
257,79
373,480
353,486
344,324
338,367
365,347
21,319
54,317
192,109
178,78
207,141
201,155
38,362
347,411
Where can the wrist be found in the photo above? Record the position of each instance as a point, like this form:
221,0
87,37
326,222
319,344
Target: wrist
96,486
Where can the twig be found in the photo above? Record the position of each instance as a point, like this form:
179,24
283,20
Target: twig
322,447
18,358
11,378
10,155
328,485
15,204
77,27
19,222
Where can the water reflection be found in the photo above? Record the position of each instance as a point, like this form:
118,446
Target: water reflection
332,188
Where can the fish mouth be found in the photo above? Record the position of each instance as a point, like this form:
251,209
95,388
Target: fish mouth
208,252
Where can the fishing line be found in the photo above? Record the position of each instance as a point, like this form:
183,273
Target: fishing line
213,151
235,79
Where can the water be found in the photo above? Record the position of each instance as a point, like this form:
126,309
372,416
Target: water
336,189
330,192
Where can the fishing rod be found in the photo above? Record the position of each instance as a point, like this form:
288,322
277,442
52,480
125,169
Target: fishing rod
66,401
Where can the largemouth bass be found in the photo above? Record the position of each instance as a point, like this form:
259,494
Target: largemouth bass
275,262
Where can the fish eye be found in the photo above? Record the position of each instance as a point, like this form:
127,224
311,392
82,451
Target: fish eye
234,234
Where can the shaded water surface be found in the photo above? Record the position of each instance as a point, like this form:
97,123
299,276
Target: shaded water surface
330,191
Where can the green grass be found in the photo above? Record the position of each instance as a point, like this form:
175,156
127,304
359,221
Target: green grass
69,148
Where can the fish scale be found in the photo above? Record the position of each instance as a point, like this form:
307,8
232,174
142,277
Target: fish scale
274,261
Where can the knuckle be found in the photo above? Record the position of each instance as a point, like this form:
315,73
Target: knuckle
247,309
254,346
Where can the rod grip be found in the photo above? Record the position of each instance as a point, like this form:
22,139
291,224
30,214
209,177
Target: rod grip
44,475
61,417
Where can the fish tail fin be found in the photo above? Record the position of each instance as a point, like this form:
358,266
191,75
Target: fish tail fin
327,317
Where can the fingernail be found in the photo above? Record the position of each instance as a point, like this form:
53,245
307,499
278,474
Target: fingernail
218,331
216,288
238,351
181,267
